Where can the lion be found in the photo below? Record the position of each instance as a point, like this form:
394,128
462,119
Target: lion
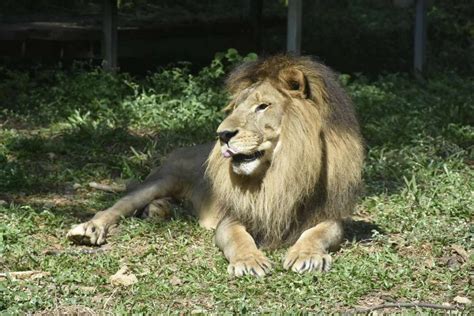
285,170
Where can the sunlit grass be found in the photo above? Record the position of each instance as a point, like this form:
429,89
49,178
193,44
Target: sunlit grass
59,135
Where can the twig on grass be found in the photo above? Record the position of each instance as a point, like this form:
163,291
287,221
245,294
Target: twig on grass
22,275
107,188
109,298
403,305
57,252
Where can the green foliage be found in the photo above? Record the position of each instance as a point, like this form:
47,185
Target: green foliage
89,110
62,129
172,98
451,34
433,108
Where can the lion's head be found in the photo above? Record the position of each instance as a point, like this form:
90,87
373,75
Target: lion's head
249,136
289,152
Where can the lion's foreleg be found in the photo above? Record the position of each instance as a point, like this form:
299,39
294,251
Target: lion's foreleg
94,232
310,252
240,249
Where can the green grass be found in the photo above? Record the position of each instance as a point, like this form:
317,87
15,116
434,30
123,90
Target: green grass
61,128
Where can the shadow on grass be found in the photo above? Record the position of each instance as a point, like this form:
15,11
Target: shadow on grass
41,170
45,163
360,230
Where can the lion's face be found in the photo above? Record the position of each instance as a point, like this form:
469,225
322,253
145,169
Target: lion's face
249,136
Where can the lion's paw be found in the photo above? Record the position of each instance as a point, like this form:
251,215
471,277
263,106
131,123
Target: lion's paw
250,264
302,261
88,233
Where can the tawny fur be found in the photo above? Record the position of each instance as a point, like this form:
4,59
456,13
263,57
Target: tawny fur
315,175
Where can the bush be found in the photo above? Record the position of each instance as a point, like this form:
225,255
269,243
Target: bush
85,112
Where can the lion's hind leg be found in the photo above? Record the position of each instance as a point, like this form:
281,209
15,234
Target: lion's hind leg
95,231
158,209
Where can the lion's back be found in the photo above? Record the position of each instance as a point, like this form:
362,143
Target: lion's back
186,163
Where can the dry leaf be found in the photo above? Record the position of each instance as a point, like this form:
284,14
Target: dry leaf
88,289
23,275
452,261
429,263
123,277
462,300
198,311
460,251
175,281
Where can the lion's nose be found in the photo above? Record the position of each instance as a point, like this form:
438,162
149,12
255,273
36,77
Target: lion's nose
225,136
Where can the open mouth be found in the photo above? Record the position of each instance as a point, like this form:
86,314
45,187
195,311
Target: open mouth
241,158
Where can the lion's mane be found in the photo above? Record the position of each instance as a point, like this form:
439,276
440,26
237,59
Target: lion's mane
315,175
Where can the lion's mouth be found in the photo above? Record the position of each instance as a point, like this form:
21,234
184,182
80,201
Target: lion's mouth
241,158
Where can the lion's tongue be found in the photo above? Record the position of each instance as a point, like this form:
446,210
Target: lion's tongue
228,153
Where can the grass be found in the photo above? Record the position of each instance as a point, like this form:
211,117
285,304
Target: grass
62,129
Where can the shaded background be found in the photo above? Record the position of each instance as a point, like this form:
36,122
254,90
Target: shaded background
369,36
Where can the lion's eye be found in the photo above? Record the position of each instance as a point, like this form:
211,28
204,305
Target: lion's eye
261,107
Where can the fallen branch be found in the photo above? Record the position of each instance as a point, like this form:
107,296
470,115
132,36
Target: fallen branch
108,188
403,305
56,252
22,275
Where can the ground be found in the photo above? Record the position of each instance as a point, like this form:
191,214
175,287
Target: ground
410,241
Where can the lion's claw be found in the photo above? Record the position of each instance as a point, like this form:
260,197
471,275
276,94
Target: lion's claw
88,233
252,264
307,261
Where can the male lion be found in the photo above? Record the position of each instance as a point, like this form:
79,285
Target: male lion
286,169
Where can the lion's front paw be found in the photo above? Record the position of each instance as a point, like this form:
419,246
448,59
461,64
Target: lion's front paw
307,260
88,233
253,263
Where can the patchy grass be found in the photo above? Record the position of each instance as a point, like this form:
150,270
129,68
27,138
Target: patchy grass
61,130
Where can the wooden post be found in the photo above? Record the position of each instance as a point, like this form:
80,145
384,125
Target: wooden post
293,38
109,47
255,8
23,48
420,39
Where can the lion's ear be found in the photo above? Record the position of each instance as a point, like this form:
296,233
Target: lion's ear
294,81
229,108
